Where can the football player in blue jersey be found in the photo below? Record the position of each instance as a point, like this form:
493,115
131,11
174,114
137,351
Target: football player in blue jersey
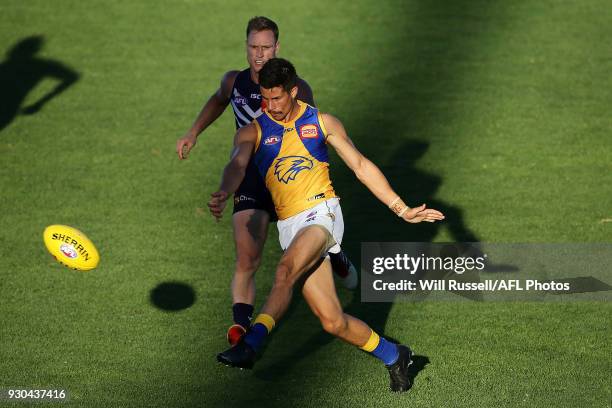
288,145
253,208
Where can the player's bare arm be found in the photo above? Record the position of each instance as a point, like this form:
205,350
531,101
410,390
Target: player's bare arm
213,108
371,176
233,174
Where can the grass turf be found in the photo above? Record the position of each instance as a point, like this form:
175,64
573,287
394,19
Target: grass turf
496,112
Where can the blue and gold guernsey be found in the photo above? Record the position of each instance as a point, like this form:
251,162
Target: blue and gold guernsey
292,159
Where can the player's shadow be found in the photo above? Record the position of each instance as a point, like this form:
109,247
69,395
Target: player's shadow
20,73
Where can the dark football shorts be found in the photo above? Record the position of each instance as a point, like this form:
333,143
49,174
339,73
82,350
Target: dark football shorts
253,194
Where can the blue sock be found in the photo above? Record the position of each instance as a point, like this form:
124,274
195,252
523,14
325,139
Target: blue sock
242,314
256,336
386,351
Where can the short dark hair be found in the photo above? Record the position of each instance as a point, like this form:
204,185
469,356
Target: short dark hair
278,72
260,23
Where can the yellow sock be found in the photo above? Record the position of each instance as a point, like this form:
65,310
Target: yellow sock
372,342
266,320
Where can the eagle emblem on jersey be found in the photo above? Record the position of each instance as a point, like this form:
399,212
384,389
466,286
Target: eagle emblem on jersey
287,168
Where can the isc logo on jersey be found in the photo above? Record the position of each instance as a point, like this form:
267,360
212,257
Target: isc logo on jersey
309,132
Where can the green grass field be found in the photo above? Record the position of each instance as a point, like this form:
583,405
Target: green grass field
499,113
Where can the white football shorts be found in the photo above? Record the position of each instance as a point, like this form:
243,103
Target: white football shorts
327,214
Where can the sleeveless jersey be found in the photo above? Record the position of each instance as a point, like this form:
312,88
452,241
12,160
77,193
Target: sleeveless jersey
245,99
292,159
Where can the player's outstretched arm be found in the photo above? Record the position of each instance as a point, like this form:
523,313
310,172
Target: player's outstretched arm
371,176
233,174
213,108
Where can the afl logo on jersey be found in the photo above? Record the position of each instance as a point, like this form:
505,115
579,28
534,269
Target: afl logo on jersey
240,100
272,140
309,131
287,168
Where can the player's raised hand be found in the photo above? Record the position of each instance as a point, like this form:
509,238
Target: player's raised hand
217,203
184,145
421,213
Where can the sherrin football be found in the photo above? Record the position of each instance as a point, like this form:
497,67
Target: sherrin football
71,247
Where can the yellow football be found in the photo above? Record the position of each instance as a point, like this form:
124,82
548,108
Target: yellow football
71,247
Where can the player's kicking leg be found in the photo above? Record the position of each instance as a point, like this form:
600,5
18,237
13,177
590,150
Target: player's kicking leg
309,245
321,296
250,232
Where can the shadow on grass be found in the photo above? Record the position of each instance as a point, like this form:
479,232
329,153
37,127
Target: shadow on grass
21,72
418,364
172,296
